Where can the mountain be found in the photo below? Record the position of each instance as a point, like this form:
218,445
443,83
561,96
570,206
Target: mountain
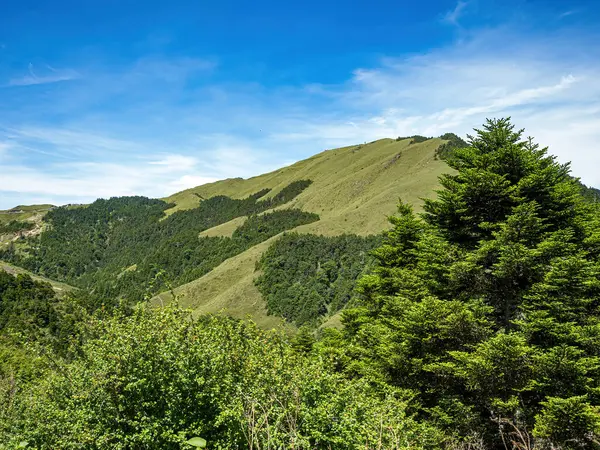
207,242
472,325
354,190
24,213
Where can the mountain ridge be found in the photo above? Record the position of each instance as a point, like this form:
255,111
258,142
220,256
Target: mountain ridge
350,176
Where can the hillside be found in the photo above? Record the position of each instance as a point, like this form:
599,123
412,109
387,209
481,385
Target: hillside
21,221
207,242
472,325
24,212
59,288
354,190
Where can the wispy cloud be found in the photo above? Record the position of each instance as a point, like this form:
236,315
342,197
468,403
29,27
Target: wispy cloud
567,13
170,162
543,85
4,147
83,182
49,75
159,125
107,166
452,17
70,142
505,101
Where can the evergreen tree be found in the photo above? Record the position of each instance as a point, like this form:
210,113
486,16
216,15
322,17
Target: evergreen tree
486,306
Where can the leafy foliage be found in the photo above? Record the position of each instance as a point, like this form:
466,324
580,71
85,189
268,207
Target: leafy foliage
306,277
590,193
24,302
565,421
454,142
415,139
157,378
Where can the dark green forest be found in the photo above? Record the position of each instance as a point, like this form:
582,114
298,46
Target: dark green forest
115,248
472,325
15,226
305,278
24,301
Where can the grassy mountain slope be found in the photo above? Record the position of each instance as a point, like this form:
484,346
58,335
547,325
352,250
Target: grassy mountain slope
21,213
116,245
225,229
228,288
354,190
30,216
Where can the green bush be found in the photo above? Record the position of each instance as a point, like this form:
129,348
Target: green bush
158,378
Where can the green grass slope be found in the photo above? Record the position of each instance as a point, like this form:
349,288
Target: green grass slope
354,190
229,288
23,213
225,229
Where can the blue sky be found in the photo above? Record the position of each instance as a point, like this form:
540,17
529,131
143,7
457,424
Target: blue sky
103,98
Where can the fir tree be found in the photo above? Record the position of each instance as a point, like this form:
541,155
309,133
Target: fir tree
486,306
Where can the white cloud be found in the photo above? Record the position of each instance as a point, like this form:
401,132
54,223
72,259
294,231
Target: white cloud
175,163
84,182
189,181
550,90
4,146
503,103
150,173
73,142
454,14
50,75
567,13
153,144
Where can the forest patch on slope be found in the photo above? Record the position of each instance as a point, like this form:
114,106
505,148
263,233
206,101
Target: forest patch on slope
306,278
127,247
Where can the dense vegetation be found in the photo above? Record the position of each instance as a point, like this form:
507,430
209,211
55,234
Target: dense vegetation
15,226
590,193
306,277
477,326
445,150
116,247
415,139
24,301
154,379
32,317
487,306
